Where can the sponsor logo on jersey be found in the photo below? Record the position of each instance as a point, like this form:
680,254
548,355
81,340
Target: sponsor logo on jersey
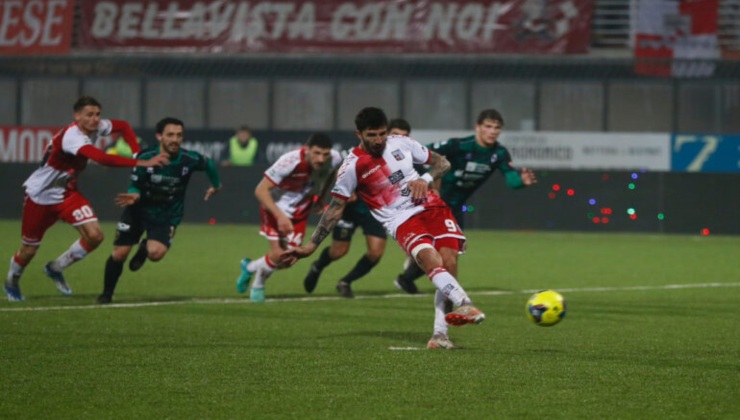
396,177
398,154
477,168
371,171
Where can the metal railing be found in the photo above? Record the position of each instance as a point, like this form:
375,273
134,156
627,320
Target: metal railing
614,21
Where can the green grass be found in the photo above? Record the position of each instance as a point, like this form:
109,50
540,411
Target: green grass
630,347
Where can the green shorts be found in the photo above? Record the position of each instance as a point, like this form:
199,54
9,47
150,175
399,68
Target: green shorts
131,226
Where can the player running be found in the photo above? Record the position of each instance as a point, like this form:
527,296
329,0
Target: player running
474,159
155,203
287,192
51,192
381,172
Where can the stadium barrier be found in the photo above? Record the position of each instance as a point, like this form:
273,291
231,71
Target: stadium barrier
535,149
591,201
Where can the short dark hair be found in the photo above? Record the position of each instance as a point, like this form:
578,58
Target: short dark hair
399,123
370,117
164,122
490,114
85,101
244,128
319,140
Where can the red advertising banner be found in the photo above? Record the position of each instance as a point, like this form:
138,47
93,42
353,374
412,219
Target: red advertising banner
35,26
678,38
24,144
338,26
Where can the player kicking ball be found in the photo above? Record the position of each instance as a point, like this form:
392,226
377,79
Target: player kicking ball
381,172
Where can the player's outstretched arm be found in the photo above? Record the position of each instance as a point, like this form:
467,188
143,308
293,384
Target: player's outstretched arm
123,127
517,178
326,225
93,153
215,179
99,156
159,160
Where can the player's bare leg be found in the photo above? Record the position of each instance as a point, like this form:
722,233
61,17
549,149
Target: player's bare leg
433,262
440,339
262,269
149,249
27,252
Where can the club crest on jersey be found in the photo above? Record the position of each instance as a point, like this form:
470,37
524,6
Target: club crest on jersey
185,170
494,157
398,154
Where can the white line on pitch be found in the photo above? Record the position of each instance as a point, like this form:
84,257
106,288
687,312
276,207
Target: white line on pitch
335,298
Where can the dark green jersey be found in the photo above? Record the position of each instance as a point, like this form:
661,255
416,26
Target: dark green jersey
472,164
162,190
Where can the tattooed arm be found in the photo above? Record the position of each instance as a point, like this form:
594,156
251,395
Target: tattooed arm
329,219
439,165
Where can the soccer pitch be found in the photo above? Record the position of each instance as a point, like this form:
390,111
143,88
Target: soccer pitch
652,331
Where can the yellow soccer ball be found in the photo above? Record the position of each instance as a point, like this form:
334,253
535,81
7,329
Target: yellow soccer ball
546,308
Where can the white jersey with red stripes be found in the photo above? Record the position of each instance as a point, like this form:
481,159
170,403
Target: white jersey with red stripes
57,176
297,183
382,182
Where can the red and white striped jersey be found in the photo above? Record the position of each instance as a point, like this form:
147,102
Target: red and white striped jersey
382,182
57,176
297,183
